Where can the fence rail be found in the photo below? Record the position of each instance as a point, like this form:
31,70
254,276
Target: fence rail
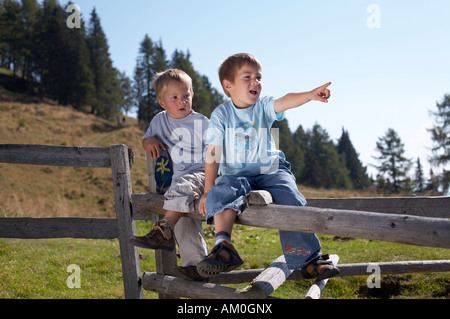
40,228
55,155
407,229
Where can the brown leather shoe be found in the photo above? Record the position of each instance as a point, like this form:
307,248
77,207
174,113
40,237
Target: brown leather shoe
160,237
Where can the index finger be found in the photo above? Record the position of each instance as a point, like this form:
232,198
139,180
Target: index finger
325,85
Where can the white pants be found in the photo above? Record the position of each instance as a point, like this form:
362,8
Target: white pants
191,244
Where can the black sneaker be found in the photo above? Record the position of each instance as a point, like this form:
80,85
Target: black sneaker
222,258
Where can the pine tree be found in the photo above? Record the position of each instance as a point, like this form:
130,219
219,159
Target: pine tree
81,80
12,35
150,56
440,132
51,58
126,103
433,183
292,150
30,11
324,167
419,183
393,164
358,173
107,87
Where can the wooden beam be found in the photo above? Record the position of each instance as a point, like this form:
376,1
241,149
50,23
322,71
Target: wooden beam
39,228
166,285
55,155
432,206
414,230
269,279
407,229
353,269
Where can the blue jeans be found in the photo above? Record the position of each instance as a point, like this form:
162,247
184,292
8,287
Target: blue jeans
229,192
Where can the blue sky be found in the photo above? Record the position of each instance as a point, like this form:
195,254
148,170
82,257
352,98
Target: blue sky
388,61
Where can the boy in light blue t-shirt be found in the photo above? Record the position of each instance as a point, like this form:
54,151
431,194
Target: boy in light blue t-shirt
242,149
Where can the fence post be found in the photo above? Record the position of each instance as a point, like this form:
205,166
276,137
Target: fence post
165,261
131,268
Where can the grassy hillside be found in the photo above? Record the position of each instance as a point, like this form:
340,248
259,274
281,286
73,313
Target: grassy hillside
37,268
45,191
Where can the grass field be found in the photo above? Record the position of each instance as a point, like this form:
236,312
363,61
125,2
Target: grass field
37,269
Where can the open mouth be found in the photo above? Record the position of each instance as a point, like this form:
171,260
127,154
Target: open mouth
253,92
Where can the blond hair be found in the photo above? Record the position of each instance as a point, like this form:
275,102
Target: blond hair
162,79
231,66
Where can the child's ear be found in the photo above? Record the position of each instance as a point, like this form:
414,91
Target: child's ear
160,101
226,85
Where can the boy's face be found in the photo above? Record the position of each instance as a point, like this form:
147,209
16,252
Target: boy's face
247,86
178,100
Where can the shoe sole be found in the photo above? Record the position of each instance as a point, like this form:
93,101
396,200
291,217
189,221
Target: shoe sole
207,269
142,245
185,276
328,274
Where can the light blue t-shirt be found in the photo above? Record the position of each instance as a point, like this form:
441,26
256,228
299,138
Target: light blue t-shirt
248,147
183,138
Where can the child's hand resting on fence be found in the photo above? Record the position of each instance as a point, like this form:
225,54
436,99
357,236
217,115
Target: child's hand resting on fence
152,145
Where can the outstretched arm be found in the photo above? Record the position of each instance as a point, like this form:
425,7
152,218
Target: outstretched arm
291,100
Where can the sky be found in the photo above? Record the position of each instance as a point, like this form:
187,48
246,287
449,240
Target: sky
388,61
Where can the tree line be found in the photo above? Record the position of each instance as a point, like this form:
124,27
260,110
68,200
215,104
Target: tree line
73,66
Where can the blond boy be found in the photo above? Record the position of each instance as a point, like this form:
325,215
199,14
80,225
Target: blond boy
179,130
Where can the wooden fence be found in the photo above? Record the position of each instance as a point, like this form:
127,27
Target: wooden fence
119,158
422,221
416,221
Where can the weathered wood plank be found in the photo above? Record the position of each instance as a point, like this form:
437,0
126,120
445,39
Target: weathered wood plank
414,230
190,289
121,177
259,197
55,155
39,228
353,269
269,280
433,206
